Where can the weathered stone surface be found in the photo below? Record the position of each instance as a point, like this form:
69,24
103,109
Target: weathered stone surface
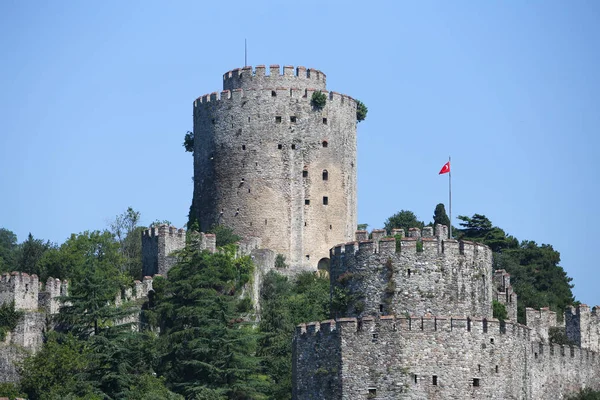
408,342
389,277
428,358
159,243
270,165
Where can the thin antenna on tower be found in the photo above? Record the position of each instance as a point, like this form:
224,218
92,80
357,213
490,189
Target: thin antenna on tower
245,54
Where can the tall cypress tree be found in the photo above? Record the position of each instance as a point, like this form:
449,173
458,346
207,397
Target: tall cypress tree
440,216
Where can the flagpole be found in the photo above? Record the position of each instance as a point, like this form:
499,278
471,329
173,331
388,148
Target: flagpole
450,194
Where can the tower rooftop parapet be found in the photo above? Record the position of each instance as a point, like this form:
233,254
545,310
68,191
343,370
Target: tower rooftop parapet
260,77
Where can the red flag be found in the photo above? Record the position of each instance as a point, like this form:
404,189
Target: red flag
445,169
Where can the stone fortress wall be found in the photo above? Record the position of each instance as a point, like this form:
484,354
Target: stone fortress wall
159,243
431,358
416,275
270,165
416,347
36,301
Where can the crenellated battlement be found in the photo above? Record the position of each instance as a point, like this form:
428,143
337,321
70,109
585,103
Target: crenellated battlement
422,273
240,96
160,242
540,321
582,326
274,76
431,245
396,325
164,230
29,294
20,288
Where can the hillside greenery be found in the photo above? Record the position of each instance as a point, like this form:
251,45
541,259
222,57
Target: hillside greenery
200,337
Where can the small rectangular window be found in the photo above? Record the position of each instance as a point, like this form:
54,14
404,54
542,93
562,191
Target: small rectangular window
304,173
306,202
278,119
325,200
476,382
372,393
324,121
243,147
293,147
434,380
416,379
280,146
293,119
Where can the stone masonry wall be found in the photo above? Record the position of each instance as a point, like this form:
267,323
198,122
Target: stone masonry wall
504,293
270,165
20,288
384,276
434,358
158,244
583,326
422,358
540,321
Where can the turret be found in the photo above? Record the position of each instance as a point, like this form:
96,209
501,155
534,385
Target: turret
416,275
270,164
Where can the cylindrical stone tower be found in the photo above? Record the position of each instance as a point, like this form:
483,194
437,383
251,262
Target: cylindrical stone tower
270,164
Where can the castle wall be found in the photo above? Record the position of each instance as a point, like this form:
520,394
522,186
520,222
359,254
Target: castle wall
557,371
422,358
504,293
540,321
583,326
159,243
386,276
431,358
20,288
266,162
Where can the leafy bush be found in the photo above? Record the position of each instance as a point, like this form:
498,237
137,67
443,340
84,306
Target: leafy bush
8,319
586,394
188,142
361,111
499,310
224,235
280,261
318,100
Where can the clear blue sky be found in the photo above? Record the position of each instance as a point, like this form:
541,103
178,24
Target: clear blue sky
95,99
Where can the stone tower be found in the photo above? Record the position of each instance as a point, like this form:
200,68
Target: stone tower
269,164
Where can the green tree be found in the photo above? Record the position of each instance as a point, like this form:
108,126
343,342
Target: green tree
361,111
403,219
8,248
224,235
285,304
536,275
72,259
586,394
30,253
499,310
206,351
440,216
125,227
188,141
55,371
318,100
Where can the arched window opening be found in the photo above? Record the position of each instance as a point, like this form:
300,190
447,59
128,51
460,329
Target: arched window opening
325,175
325,144
323,264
